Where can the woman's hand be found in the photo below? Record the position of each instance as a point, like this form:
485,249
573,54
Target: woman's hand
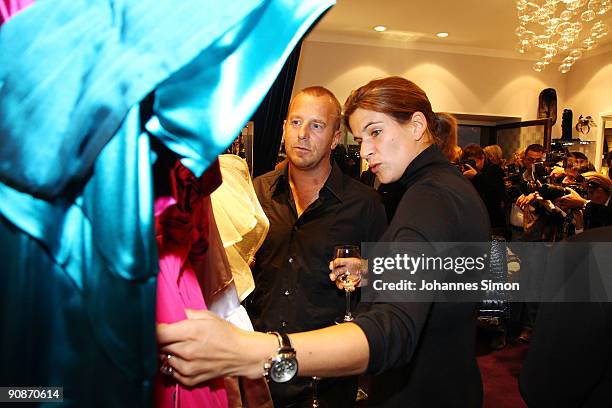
469,171
205,346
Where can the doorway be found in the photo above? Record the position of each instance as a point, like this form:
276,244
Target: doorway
604,141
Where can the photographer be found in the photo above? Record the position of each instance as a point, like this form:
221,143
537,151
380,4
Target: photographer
488,180
596,208
529,222
574,164
533,217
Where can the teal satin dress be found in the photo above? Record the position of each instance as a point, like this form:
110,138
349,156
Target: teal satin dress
77,248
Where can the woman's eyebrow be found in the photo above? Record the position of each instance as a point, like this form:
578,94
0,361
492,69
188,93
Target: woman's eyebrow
369,124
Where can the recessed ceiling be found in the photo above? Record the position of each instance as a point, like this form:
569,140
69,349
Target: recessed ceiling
474,26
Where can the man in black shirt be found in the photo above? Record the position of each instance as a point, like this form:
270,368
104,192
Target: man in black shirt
312,207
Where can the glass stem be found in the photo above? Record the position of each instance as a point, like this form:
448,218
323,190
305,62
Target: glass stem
315,392
348,317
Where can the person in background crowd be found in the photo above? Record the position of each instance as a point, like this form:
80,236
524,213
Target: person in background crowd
535,230
495,155
574,164
488,179
428,348
456,154
516,160
596,208
568,363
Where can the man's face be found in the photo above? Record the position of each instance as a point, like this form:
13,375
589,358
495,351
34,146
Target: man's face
531,157
309,131
574,166
597,194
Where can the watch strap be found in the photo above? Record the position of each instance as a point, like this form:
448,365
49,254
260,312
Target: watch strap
285,344
284,347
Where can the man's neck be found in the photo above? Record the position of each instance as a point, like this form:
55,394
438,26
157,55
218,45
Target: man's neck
306,184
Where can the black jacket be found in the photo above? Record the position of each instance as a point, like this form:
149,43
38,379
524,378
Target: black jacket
490,186
569,363
424,353
597,215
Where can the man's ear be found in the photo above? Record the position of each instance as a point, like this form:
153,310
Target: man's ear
336,139
419,125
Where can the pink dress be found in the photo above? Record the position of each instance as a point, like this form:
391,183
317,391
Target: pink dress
181,224
10,7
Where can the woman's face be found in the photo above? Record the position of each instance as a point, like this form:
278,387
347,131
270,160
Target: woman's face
575,166
388,146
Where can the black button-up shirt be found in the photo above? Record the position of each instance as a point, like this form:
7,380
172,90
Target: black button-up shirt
292,288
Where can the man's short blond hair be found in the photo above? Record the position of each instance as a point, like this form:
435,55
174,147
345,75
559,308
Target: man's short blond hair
322,91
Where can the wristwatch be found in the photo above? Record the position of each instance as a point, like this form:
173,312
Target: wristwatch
283,366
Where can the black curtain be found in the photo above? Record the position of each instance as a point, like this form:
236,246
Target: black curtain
269,117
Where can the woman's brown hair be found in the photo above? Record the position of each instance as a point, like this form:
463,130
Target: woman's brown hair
400,99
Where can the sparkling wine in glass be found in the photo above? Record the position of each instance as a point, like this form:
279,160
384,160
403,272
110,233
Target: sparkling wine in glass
348,259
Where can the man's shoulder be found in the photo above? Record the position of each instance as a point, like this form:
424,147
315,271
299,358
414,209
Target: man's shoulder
266,180
271,175
356,187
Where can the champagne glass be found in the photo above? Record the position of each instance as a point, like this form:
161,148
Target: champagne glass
350,278
351,275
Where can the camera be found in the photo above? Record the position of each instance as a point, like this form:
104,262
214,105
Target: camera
513,176
580,189
470,162
551,192
461,165
541,172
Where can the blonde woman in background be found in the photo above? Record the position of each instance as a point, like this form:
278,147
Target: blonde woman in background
495,155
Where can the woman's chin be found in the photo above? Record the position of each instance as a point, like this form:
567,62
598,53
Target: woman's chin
383,178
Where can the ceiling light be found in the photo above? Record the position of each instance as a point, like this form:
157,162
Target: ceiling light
380,28
560,27
442,35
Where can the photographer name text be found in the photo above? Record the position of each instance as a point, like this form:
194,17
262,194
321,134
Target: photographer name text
408,285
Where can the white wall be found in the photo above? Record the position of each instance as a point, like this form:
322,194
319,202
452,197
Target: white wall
589,92
455,83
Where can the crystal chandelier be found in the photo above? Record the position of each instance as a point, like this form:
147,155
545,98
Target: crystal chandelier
559,27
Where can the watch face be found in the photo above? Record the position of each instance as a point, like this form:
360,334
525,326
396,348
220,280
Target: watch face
284,368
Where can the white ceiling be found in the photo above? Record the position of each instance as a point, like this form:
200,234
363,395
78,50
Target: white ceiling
482,27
